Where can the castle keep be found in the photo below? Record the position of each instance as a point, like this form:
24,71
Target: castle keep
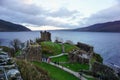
45,36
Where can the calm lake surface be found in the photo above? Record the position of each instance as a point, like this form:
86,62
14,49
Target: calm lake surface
106,44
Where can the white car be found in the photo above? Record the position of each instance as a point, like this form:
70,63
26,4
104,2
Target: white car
14,74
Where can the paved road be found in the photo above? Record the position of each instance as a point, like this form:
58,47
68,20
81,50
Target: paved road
68,70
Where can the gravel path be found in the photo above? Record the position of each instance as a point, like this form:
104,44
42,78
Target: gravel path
58,55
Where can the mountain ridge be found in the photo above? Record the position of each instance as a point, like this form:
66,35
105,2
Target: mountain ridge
9,26
102,27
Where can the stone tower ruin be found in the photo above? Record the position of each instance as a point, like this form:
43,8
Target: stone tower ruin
45,36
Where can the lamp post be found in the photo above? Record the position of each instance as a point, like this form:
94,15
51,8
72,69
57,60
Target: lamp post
63,48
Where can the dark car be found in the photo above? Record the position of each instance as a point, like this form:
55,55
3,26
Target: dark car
2,75
2,61
5,60
14,74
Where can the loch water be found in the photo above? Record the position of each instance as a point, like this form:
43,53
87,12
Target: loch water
106,44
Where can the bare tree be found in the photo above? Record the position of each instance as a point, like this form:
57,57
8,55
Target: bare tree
16,45
69,42
58,40
0,42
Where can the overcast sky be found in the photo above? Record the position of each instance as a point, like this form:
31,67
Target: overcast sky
59,14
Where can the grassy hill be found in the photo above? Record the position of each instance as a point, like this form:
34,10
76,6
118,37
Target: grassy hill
51,48
56,73
73,66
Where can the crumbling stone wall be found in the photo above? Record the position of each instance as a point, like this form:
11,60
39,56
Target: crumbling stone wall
33,53
77,56
85,47
45,36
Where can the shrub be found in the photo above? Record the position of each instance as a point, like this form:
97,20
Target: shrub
31,72
98,58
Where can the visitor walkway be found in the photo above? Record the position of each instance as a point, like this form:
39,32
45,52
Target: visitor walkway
66,69
69,71
58,55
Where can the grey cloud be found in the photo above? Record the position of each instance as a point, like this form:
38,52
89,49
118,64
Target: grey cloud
63,12
18,12
118,1
7,14
110,14
18,6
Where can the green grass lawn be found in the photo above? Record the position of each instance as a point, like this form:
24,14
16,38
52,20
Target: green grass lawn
63,58
51,48
56,73
69,47
73,66
76,66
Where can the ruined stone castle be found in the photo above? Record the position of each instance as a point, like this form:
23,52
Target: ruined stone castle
45,36
82,55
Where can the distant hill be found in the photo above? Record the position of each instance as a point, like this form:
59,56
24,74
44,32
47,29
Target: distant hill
102,27
8,26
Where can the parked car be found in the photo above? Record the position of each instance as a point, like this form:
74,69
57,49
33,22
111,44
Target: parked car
2,61
5,60
4,54
2,74
14,74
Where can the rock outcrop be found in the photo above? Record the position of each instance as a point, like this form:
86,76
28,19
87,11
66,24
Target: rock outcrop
85,47
104,72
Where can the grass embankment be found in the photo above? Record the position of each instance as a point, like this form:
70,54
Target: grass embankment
56,73
63,58
73,66
31,72
76,66
51,48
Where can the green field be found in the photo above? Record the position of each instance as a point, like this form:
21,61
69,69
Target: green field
51,48
73,66
63,58
76,66
55,73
